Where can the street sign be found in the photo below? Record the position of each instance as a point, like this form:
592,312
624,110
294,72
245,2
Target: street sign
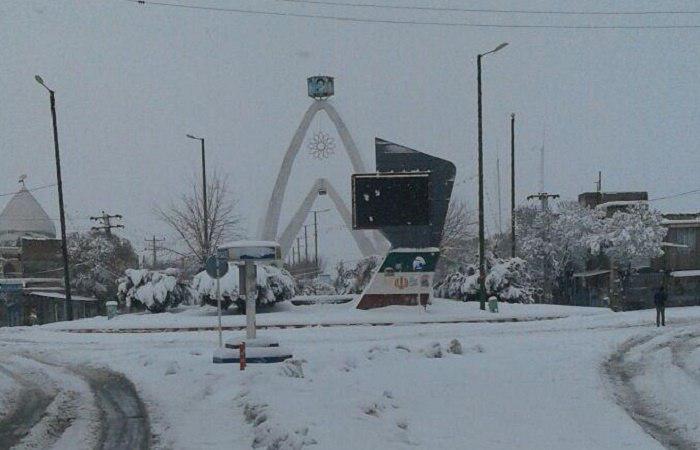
222,253
211,265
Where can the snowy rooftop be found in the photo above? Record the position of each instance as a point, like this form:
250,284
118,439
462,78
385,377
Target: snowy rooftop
685,273
620,203
23,215
61,295
695,221
235,244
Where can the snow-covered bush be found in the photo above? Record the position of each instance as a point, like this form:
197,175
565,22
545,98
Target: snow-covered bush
314,286
155,290
458,285
352,280
273,285
507,279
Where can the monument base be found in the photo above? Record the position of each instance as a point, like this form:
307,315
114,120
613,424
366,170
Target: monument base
259,342
405,278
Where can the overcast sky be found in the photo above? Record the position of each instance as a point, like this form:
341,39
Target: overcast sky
132,80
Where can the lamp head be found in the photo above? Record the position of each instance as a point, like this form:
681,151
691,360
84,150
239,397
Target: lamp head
499,47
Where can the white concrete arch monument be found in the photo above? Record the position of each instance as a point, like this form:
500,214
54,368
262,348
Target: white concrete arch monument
270,225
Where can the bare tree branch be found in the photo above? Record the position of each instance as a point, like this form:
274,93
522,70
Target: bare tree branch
186,218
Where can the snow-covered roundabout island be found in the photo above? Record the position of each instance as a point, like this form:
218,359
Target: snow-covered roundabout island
452,377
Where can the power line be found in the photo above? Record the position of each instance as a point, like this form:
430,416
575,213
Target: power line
489,10
30,190
694,191
339,18
106,220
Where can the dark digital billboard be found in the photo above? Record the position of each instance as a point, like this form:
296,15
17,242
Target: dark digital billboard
390,199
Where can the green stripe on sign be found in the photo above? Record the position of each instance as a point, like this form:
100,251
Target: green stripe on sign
410,261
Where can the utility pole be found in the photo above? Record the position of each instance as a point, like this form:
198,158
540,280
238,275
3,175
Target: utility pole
62,216
544,200
306,245
205,205
154,248
316,213
106,221
498,191
482,269
298,249
512,185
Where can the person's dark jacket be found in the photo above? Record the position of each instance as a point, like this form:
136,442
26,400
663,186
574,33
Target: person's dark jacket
660,299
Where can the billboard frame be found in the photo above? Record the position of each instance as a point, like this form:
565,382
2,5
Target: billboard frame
387,175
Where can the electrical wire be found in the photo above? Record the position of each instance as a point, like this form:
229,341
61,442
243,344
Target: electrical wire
489,10
30,190
350,19
694,191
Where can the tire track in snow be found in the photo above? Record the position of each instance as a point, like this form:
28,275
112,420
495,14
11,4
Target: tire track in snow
620,372
29,407
680,352
107,407
123,416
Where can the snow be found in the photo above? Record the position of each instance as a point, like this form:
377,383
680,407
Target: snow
667,222
284,314
235,244
529,385
622,203
685,273
61,295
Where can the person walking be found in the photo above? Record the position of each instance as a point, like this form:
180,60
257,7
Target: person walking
660,303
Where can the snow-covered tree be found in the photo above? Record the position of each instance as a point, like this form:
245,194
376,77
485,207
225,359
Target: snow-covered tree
97,261
273,285
557,243
353,279
632,235
155,290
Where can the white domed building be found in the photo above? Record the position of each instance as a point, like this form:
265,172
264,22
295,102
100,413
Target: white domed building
23,216
27,238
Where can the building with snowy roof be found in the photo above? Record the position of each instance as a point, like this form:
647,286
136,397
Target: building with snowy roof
23,216
28,244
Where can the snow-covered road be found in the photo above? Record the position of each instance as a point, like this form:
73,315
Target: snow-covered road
563,383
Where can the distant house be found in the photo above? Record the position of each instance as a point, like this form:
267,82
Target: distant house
31,267
680,263
678,268
28,244
37,301
613,201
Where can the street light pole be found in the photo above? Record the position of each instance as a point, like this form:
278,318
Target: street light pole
62,216
205,209
316,212
482,269
512,185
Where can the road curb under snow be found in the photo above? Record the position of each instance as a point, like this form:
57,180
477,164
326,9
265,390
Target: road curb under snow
306,325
